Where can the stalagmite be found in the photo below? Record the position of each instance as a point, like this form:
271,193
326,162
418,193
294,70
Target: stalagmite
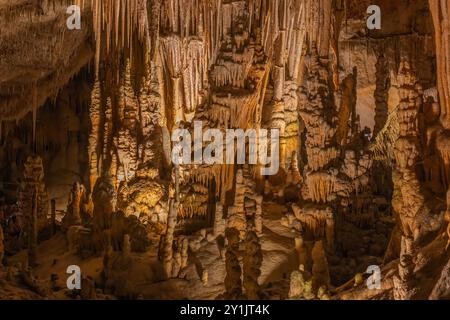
168,238
301,251
219,221
205,277
297,283
402,286
251,266
104,199
236,215
233,281
33,204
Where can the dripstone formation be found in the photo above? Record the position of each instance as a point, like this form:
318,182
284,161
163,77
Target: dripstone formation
225,149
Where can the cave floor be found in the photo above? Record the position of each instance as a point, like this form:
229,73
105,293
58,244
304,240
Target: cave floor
144,274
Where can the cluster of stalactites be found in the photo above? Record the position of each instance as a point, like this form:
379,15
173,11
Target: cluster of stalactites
214,20
409,202
239,49
233,39
319,24
116,22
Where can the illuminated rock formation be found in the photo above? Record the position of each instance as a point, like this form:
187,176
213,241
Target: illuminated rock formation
415,217
75,206
363,152
33,204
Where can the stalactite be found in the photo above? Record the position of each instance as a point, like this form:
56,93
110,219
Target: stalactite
319,20
113,18
104,198
412,207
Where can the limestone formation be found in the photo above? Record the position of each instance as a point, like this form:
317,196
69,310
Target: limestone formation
363,149
75,206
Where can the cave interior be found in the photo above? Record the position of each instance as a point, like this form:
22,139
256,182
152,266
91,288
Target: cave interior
87,177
